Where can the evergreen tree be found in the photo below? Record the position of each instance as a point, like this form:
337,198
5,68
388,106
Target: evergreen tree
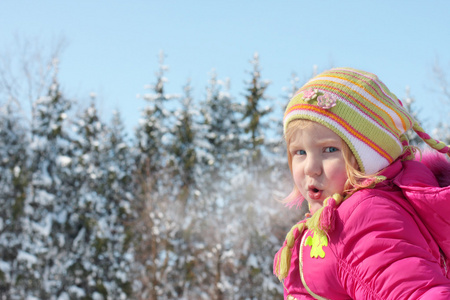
253,112
157,212
48,203
251,236
99,262
14,186
120,176
183,156
218,145
153,132
220,130
199,251
118,193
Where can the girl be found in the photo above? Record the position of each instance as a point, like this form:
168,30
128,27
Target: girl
378,226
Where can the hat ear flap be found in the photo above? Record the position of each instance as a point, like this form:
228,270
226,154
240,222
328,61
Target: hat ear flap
435,144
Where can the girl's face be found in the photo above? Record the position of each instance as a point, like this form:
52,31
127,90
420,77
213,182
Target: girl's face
318,165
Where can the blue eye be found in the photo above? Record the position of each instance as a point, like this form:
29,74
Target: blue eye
331,149
300,152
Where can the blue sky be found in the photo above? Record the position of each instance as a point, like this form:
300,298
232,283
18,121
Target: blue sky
113,46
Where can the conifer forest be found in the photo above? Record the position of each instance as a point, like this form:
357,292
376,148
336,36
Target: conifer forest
187,206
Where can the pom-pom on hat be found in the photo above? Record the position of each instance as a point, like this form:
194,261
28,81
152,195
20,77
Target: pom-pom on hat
359,108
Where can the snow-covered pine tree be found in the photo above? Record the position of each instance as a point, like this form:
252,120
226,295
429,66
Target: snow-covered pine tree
157,225
120,180
196,268
252,198
98,263
110,165
14,186
48,203
219,129
254,113
218,162
153,131
182,154
218,142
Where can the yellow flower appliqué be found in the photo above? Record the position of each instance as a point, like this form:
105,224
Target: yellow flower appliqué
317,242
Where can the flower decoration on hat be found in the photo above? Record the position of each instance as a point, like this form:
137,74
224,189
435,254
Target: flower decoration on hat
326,101
310,94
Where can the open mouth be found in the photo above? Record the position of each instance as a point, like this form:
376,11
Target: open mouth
314,193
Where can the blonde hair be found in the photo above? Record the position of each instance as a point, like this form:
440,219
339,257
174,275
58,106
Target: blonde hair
356,180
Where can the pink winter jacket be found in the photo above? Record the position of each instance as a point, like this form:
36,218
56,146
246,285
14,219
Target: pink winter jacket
386,242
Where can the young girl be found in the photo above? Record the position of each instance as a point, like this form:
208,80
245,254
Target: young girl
379,221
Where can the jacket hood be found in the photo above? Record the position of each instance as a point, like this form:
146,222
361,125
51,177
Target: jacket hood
425,185
438,164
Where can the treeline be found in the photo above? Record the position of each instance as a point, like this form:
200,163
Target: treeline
185,208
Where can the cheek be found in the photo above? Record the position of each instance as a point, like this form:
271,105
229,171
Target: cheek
338,176
297,174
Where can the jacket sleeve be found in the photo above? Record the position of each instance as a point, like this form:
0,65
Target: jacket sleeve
386,255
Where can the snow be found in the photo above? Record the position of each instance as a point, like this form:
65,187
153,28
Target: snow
252,261
97,296
27,257
63,161
4,266
79,237
122,276
61,217
64,296
76,291
43,197
16,171
43,229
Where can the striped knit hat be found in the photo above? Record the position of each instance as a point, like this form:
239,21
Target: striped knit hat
359,108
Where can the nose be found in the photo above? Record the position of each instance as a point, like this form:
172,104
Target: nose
313,166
